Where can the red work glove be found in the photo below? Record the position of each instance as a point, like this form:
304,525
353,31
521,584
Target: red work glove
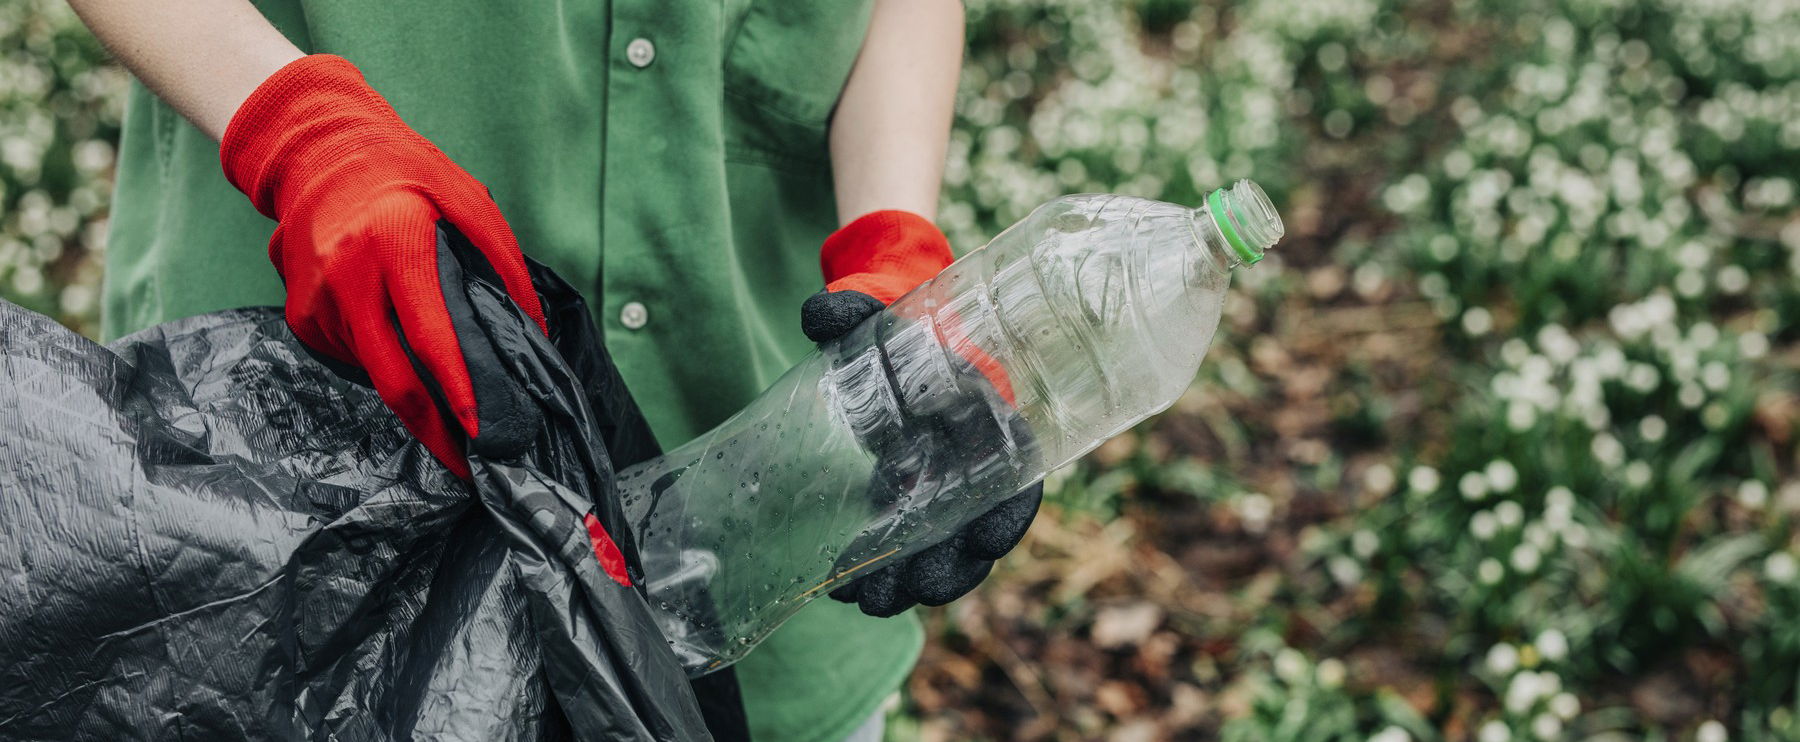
358,195
868,264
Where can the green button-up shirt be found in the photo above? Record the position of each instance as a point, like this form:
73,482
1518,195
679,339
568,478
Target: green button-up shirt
668,157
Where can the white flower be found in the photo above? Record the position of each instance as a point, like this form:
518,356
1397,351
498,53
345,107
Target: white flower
1703,334
1330,672
1565,705
1652,428
1781,567
1559,498
1514,351
1715,376
1345,570
1610,362
1607,450
1290,665
1538,534
1690,395
1753,494
1520,416
1711,731
1489,571
1472,485
1494,731
1637,474
1753,345
1526,558
1557,343
1483,525
1552,644
1575,535
1255,508
28,279
1391,734
1546,726
1596,416
1537,368
1689,283
1501,475
1368,279
1502,658
93,156
1423,479
1733,279
1509,513
1434,285
1477,321
1379,478
1527,687
1364,543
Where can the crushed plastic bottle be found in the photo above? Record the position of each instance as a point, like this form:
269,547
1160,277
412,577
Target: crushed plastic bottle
1071,326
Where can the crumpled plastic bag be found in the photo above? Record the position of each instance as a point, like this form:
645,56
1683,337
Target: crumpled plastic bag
204,534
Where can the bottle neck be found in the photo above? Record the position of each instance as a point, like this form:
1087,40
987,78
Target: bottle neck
1216,253
1236,225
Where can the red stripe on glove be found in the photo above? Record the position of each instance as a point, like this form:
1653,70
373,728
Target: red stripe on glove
611,559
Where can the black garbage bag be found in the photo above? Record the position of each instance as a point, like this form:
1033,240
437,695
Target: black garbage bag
206,535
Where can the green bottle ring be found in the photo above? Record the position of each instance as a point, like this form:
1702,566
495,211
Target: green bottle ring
1215,203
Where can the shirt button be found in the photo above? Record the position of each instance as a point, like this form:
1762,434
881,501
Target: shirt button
640,52
633,315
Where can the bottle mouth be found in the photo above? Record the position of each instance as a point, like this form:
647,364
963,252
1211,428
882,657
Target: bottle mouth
1246,218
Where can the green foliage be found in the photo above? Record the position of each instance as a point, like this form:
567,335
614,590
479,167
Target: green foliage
60,105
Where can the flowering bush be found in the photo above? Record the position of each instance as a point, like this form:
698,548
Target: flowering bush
59,120
1538,437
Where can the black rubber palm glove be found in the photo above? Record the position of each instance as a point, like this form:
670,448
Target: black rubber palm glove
947,570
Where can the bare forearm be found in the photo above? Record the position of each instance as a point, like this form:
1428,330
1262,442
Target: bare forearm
892,126
202,56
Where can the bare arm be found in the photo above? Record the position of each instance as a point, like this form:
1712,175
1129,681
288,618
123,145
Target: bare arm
892,126
202,56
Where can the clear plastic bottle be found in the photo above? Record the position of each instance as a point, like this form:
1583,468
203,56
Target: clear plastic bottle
1081,320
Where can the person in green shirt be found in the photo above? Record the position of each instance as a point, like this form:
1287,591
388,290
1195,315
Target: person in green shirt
680,162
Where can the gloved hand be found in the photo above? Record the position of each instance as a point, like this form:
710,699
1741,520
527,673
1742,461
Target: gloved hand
358,195
868,264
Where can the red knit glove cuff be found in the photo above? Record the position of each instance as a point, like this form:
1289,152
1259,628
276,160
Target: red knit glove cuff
884,254
311,106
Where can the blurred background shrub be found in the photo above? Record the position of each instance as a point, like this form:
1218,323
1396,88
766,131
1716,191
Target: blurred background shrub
1498,445
60,103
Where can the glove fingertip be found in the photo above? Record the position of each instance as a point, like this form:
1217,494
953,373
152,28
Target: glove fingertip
848,593
395,375
1000,530
953,584
881,595
829,315
944,573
